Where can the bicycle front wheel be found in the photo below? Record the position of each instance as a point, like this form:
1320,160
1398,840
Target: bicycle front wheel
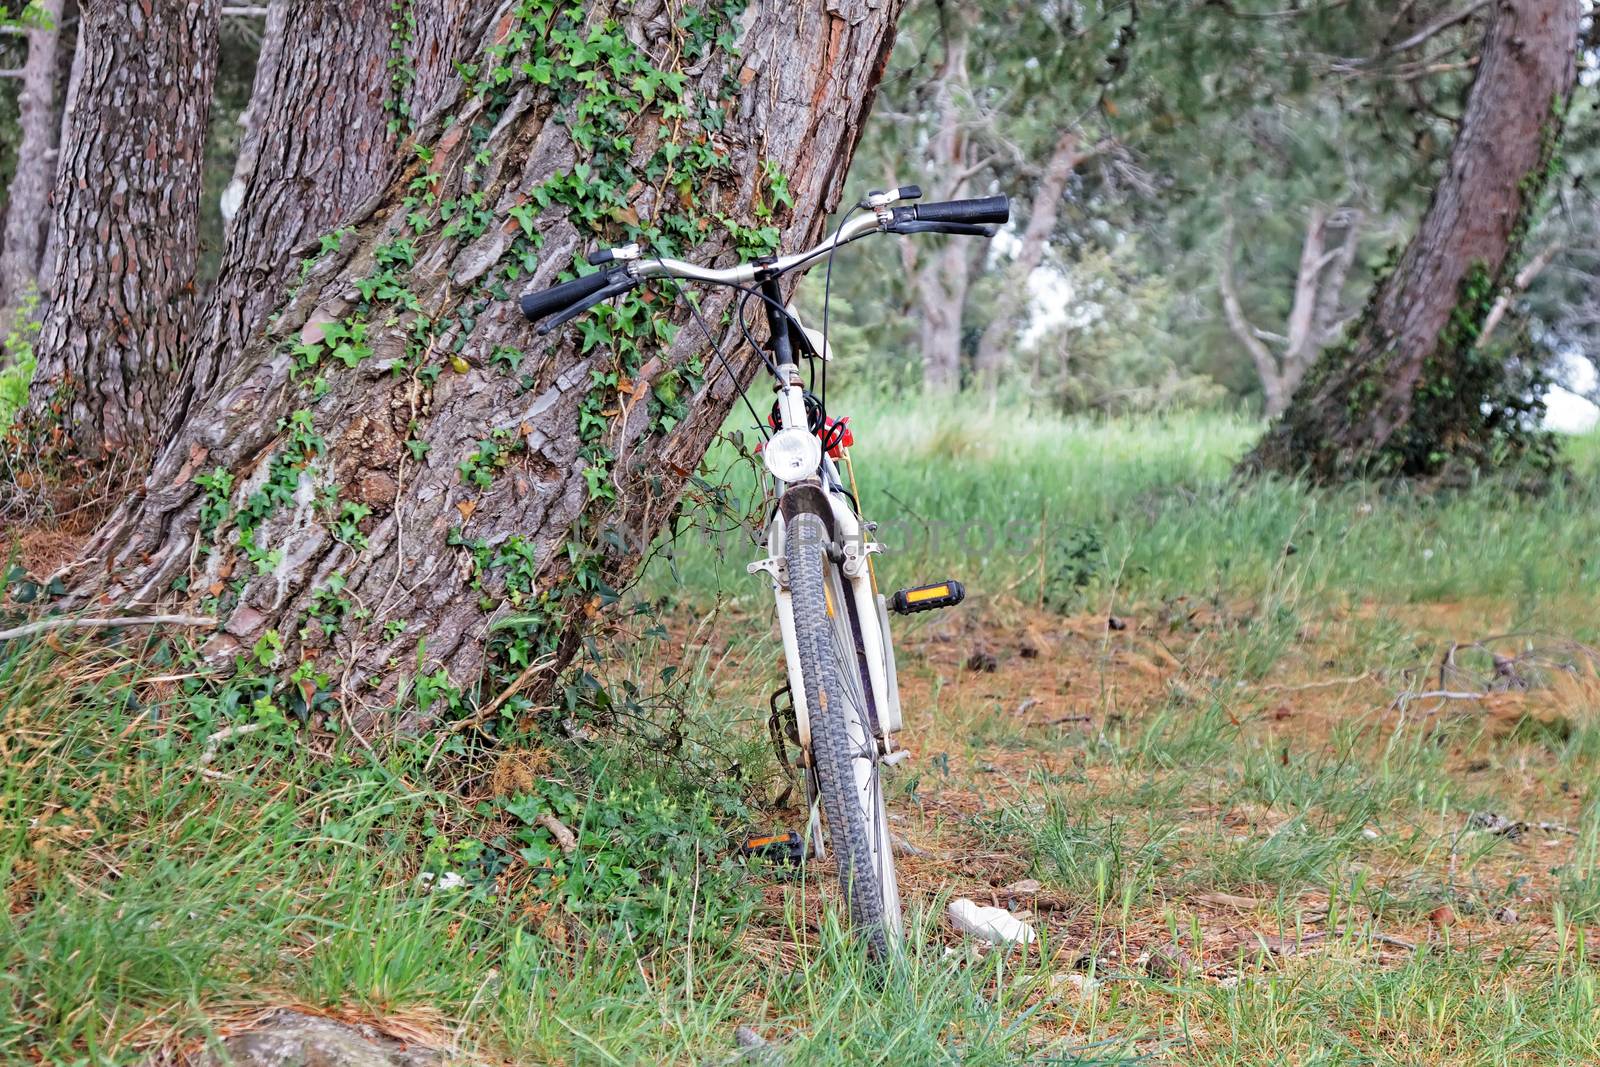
843,750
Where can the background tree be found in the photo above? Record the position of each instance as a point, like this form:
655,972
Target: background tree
127,207
1412,390
28,191
399,483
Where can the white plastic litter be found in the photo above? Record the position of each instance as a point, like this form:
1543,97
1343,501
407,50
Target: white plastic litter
994,925
445,882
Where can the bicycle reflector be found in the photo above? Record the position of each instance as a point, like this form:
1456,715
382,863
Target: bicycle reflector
945,594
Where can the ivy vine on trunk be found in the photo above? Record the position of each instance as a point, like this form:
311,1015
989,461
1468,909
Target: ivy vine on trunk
1412,392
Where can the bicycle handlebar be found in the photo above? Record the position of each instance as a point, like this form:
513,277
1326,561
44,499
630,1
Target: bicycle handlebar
993,209
541,302
567,300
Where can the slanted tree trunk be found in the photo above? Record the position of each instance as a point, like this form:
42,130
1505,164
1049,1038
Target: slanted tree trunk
28,195
328,116
1408,394
399,482
127,208
1315,314
994,346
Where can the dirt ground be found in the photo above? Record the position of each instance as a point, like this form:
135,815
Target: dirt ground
1002,704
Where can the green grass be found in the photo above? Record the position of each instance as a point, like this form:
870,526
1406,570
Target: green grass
1069,511
159,884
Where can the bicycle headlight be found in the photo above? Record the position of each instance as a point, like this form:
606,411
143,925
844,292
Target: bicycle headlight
792,454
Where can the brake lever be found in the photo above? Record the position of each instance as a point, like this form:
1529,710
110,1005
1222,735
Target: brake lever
621,284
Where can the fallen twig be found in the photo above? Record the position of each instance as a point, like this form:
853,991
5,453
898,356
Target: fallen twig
44,625
565,839
1062,721
1404,699
1325,683
216,740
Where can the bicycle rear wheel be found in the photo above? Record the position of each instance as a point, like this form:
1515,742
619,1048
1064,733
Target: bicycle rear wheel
844,752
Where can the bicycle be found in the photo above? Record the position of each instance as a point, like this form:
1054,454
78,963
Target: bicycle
833,621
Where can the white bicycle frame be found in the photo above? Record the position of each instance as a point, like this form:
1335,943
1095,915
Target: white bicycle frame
871,609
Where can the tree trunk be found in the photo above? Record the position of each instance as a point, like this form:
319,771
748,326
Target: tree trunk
942,291
127,207
400,484
256,109
942,281
28,195
73,62
995,343
1409,394
324,138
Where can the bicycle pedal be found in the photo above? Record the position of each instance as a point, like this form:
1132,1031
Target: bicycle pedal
946,594
787,848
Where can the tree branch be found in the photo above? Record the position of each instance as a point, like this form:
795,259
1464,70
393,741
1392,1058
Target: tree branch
1266,365
1519,285
44,625
1438,26
1303,311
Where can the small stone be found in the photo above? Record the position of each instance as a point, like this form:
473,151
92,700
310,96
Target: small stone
1115,623
1027,887
289,1037
1081,985
1028,651
1168,961
1505,914
1369,833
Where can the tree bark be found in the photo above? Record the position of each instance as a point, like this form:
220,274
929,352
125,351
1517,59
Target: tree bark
995,343
127,206
73,73
398,483
942,280
28,195
325,136
256,109
1406,395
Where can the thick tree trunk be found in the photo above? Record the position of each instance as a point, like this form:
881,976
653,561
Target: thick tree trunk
127,207
994,346
1407,394
28,195
400,483
327,120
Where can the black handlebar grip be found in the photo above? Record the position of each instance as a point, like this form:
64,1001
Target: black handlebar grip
987,209
537,305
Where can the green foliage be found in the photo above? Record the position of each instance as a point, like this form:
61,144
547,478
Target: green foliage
651,857
17,360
